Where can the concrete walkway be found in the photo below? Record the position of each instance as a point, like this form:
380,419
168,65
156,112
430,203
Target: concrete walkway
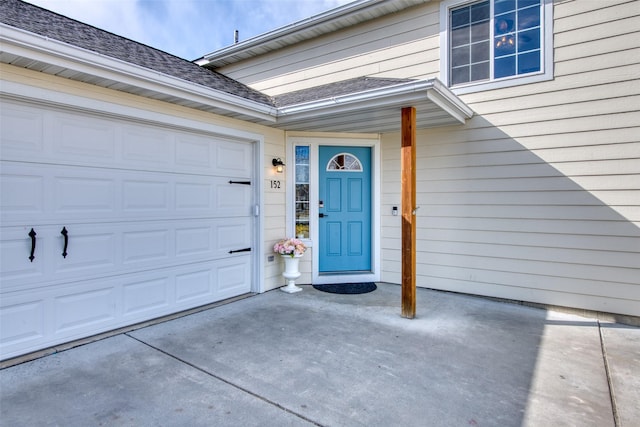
314,358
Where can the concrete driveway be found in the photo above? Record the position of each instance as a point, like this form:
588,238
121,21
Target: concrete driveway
321,359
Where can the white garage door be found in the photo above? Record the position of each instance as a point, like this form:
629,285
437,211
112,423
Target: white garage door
157,220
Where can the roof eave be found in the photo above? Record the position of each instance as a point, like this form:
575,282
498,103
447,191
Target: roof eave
304,29
32,46
404,94
62,56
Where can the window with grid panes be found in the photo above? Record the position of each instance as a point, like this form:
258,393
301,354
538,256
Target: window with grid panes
494,39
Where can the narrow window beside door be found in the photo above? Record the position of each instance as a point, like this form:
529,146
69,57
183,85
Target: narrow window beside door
302,191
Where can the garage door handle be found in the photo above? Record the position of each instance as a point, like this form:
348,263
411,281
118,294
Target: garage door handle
66,241
32,234
240,250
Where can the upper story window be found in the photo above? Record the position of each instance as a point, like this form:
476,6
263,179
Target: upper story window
495,43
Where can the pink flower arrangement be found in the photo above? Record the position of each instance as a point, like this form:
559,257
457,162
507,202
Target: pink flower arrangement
290,246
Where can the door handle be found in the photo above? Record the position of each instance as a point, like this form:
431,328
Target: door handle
322,215
32,234
65,233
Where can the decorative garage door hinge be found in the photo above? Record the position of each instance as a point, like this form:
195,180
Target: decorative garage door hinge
240,250
240,182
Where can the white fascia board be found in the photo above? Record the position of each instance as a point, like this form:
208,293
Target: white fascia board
449,102
402,94
356,99
289,34
288,30
29,45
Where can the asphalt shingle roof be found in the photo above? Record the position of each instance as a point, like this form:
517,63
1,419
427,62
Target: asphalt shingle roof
43,22
345,87
40,21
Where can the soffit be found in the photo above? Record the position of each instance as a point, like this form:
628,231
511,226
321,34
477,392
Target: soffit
376,110
380,119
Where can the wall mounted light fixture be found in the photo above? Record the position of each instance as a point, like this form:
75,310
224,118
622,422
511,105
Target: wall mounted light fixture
278,164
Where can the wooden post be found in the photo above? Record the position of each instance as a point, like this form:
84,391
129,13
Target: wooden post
408,190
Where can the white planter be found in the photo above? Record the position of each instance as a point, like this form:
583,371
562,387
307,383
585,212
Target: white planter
291,273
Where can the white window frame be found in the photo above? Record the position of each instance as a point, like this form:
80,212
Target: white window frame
546,72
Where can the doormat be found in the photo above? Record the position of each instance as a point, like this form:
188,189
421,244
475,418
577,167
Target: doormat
347,288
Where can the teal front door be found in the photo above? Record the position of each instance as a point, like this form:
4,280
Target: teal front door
344,209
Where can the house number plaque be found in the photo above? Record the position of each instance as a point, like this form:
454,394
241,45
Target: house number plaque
275,184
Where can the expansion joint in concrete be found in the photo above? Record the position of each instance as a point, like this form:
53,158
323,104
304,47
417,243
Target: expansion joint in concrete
245,390
612,395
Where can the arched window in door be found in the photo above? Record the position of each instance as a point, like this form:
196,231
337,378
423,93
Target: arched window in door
344,162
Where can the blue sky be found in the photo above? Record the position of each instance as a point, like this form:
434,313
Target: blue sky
188,28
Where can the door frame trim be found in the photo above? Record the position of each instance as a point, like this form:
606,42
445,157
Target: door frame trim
372,141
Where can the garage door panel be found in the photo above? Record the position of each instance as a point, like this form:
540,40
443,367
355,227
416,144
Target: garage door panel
84,310
212,239
77,310
232,199
194,285
95,250
234,159
83,194
151,147
21,193
34,134
194,196
88,249
146,195
15,250
82,139
146,246
232,276
37,194
21,129
195,152
153,217
21,323
194,240
146,295
232,235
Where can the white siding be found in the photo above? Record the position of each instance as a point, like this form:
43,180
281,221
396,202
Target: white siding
537,198
401,45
